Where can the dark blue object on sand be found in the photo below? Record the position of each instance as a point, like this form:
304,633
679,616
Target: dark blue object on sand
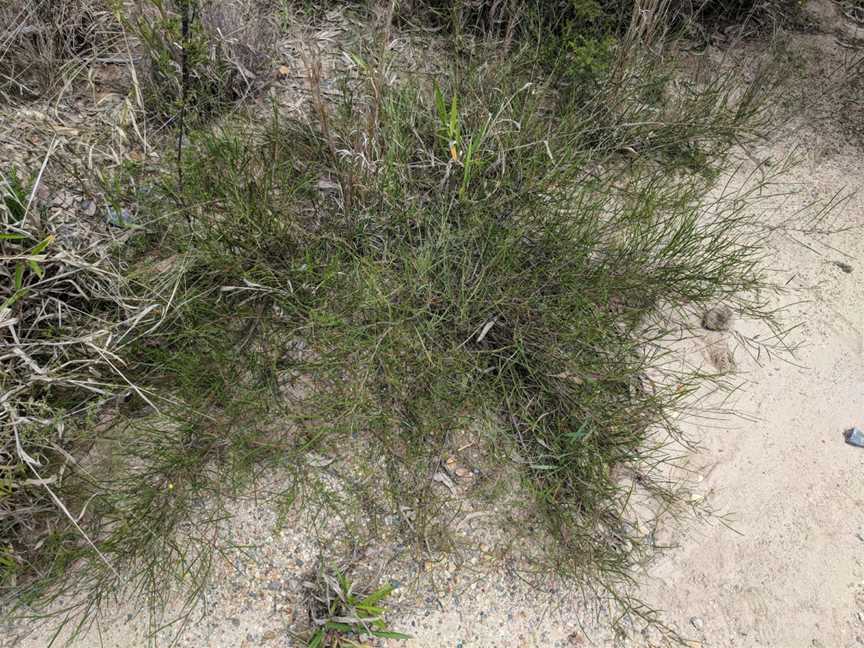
854,436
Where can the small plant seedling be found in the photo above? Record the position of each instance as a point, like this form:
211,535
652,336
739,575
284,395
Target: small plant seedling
14,196
344,617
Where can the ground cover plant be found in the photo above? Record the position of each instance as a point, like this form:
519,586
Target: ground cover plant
342,614
501,247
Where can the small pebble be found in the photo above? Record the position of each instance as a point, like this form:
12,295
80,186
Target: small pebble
718,318
697,623
845,267
88,207
854,436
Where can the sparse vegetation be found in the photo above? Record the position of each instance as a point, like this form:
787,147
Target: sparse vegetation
200,57
508,247
65,318
341,615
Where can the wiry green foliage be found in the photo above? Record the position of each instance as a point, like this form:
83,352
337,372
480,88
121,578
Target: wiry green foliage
500,250
471,252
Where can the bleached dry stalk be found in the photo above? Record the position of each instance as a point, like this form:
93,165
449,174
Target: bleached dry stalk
65,317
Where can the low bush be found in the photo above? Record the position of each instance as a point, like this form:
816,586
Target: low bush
418,262
414,262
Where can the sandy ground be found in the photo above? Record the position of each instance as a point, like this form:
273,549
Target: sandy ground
786,570
791,573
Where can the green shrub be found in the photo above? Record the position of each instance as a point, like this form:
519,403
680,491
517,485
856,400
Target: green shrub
493,256
222,57
458,267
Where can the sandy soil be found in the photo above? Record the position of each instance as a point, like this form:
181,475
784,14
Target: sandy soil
790,570
786,570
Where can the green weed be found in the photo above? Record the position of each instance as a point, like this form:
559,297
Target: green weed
341,615
475,258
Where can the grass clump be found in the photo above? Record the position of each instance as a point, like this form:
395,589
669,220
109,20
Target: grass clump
407,264
43,42
418,261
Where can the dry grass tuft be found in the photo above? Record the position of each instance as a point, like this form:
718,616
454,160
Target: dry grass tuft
65,314
46,42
